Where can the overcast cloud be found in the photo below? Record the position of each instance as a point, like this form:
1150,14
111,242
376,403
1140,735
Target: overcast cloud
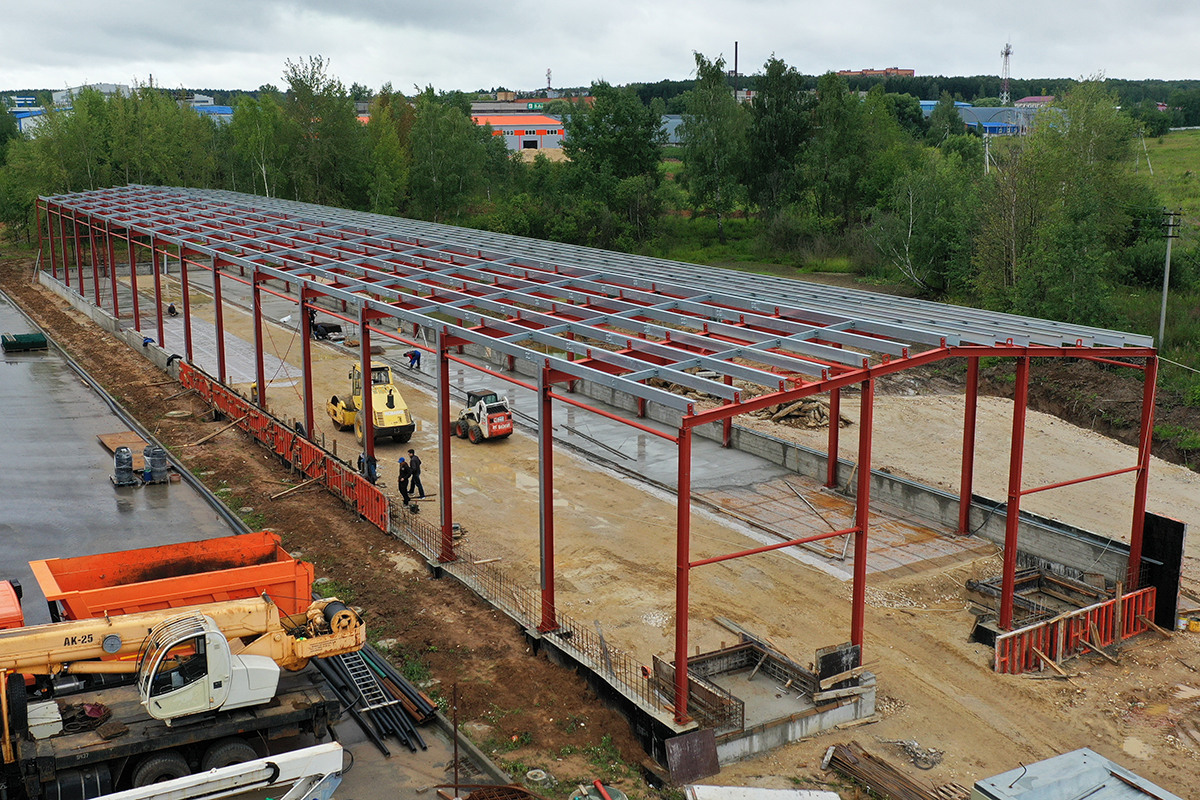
471,44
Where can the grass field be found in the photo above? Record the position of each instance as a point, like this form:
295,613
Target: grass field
1176,162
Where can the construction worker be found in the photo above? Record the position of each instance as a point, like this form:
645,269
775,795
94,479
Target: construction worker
414,359
414,463
403,479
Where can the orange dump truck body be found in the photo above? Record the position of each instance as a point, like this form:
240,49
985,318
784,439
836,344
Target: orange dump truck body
176,575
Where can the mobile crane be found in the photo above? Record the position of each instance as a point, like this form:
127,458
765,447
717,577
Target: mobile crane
207,662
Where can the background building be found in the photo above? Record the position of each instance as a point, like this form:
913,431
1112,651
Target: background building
525,131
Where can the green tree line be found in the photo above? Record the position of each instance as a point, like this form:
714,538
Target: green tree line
1047,224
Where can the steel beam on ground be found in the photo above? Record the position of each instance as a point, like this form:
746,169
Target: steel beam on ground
1013,514
683,533
862,514
545,419
966,484
1141,484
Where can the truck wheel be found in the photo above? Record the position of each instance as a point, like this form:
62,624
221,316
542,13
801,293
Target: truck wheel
358,428
401,438
474,433
460,428
18,704
227,752
160,767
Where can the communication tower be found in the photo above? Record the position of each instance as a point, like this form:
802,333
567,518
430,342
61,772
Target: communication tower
1006,53
547,80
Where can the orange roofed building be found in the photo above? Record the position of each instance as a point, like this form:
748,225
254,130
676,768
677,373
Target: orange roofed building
524,131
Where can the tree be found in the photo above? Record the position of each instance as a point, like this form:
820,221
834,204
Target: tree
391,156
780,126
447,158
327,142
9,130
258,139
1056,217
714,141
616,135
837,154
944,121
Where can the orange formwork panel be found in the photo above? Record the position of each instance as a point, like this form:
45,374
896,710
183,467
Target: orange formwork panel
177,575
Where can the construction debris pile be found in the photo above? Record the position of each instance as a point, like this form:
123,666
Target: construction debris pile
807,413
883,778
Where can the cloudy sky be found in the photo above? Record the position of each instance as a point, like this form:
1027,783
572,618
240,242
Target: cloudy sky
473,44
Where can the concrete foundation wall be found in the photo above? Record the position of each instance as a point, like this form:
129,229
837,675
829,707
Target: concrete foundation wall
734,747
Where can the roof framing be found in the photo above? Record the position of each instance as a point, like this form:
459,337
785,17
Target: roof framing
612,318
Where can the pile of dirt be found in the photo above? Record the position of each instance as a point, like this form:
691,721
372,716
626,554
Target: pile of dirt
519,706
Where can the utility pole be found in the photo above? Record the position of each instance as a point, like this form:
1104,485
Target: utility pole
1171,223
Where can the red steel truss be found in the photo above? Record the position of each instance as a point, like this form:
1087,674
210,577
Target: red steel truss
573,313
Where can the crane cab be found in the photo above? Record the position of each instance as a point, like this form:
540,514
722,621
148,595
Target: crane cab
186,667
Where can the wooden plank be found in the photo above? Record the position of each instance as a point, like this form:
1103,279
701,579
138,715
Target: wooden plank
214,434
841,676
821,697
295,488
1095,644
1165,634
1050,662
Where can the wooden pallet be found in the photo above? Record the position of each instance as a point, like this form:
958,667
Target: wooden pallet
133,441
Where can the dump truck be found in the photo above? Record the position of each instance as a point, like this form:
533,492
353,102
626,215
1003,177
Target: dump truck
486,416
390,412
219,666
174,576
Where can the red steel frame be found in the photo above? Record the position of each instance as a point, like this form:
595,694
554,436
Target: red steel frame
203,239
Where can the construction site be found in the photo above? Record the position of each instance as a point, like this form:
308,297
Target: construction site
742,510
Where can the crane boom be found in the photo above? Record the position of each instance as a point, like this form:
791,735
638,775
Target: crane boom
72,646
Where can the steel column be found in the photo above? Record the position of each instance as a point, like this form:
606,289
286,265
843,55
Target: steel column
219,311
1016,459
367,412
862,513
546,498
62,234
185,290
966,483
158,299
133,286
1145,439
444,438
727,423
110,252
306,380
683,532
50,238
78,252
37,216
91,223
835,417
260,372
